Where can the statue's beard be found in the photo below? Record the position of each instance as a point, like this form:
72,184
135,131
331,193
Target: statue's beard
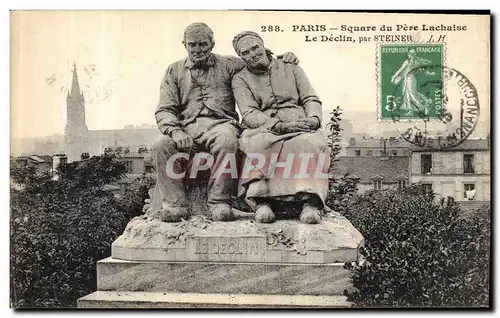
200,59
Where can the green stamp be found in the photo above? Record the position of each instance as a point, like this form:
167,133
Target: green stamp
410,81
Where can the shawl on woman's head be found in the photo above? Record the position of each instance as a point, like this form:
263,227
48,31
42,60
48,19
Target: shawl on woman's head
243,34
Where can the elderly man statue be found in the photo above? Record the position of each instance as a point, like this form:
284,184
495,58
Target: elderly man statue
197,114
281,120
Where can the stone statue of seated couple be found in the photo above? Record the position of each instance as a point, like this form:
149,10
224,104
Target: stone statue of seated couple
276,155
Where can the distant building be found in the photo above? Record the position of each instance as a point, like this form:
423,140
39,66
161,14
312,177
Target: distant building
76,133
126,138
42,164
461,172
57,159
134,162
376,147
376,173
137,163
347,129
79,139
47,145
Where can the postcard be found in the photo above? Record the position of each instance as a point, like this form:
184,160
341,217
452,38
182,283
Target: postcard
250,159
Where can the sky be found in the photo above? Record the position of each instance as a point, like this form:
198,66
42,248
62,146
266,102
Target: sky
121,57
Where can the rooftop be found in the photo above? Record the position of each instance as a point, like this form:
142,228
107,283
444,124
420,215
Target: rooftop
373,142
466,145
36,158
131,155
389,169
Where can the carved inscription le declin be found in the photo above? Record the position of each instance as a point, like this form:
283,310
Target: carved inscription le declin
228,246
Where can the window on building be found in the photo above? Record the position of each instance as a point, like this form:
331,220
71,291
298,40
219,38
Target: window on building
426,163
469,191
128,165
402,184
377,184
357,152
427,187
468,163
369,153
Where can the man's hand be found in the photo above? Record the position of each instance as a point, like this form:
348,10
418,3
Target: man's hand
288,57
312,122
286,128
182,140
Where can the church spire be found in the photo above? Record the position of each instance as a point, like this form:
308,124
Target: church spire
75,85
76,131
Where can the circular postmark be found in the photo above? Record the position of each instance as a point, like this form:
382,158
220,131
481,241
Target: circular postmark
438,105
94,86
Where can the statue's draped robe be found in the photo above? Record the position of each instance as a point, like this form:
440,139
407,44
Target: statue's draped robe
281,93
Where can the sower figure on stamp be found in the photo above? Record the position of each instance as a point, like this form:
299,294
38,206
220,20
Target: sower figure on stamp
197,112
413,100
281,120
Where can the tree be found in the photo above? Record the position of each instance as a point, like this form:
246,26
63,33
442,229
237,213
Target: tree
334,136
60,229
340,190
133,200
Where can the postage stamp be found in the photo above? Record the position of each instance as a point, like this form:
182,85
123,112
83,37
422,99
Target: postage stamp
457,117
407,87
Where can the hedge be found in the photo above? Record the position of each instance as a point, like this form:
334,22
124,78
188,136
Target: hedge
419,251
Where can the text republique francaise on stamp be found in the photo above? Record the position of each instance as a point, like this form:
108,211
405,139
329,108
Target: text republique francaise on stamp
416,87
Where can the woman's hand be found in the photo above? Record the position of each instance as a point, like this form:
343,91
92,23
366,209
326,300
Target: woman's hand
312,122
286,128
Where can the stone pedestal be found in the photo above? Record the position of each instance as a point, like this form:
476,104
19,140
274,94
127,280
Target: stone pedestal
140,300
200,263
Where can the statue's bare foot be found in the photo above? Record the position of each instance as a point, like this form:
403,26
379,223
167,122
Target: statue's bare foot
310,214
221,212
264,214
173,215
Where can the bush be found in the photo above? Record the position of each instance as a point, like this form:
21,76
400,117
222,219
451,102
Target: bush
341,193
418,252
133,200
60,229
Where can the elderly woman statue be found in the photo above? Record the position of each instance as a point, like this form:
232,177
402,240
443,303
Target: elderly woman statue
281,117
